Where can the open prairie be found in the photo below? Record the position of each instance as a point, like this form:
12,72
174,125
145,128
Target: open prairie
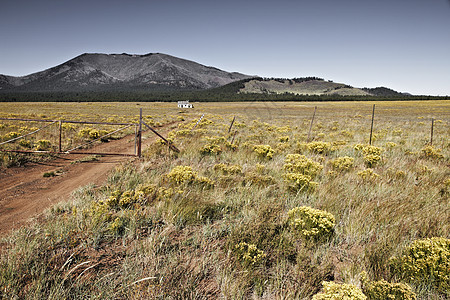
266,200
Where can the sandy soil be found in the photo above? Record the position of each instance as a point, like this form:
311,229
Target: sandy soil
25,193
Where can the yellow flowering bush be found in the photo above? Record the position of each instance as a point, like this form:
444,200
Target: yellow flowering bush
298,182
11,135
297,163
335,291
319,147
368,175
182,174
382,289
211,149
311,223
425,261
431,152
228,169
185,175
43,145
263,151
342,163
249,254
371,160
372,150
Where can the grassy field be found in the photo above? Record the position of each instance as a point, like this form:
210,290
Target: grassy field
259,211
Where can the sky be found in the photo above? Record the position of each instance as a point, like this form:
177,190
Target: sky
400,44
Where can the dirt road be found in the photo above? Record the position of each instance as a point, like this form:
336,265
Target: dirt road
25,193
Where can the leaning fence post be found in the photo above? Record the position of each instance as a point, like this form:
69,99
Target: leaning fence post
232,122
432,125
312,120
139,148
371,126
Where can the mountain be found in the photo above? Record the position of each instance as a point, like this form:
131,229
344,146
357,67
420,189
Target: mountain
94,72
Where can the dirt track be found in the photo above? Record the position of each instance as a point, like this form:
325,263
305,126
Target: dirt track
25,193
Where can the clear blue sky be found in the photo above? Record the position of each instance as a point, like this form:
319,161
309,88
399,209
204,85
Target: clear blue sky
401,44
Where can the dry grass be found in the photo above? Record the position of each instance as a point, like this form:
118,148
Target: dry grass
177,239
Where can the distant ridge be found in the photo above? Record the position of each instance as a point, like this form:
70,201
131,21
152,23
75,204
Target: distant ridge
97,71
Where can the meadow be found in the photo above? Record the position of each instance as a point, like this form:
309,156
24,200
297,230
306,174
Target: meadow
271,207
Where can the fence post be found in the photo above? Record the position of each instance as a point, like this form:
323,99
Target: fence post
371,126
139,148
312,120
432,125
232,122
60,135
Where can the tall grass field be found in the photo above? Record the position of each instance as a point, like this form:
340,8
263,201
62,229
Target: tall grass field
272,205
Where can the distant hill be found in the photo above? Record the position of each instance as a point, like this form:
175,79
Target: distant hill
300,86
96,72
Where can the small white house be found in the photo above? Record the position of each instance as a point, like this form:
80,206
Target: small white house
185,104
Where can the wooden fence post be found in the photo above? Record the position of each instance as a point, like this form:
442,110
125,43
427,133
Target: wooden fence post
232,122
312,120
60,136
432,127
139,147
371,126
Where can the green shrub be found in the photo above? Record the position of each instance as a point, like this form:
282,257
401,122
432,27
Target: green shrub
425,262
382,289
310,223
335,291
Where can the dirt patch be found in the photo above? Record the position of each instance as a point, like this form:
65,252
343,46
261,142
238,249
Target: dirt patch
25,193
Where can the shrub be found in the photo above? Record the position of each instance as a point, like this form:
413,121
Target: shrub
211,149
298,182
249,254
43,145
228,169
11,135
185,175
263,151
297,163
368,175
371,160
431,152
335,291
367,150
425,261
182,174
319,147
310,223
382,289
342,163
